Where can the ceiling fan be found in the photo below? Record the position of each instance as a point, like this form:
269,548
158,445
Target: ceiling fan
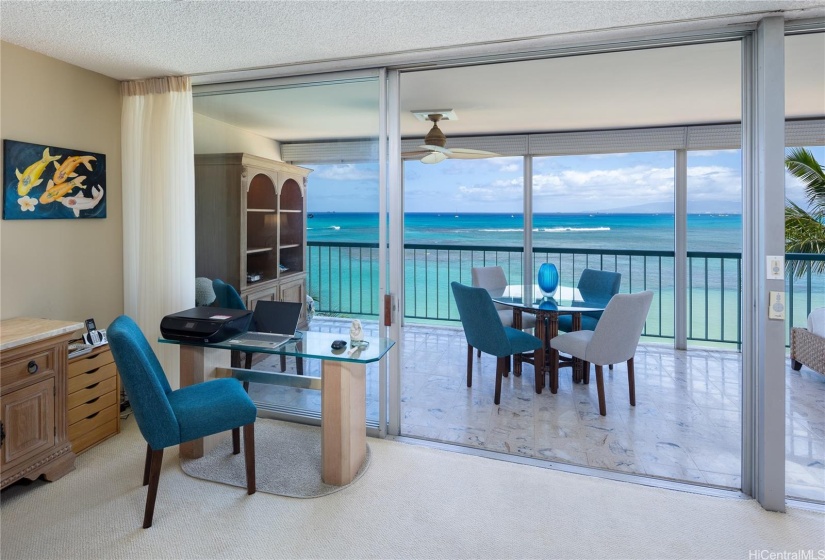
435,148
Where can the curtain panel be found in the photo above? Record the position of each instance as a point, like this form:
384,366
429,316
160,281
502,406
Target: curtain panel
158,206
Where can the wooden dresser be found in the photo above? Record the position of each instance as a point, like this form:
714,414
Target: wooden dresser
33,389
94,398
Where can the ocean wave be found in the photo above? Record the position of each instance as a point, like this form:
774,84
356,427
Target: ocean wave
562,229
547,230
336,228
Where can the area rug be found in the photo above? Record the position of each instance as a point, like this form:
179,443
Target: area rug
287,461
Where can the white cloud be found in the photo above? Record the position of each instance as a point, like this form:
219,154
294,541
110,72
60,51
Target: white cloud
347,172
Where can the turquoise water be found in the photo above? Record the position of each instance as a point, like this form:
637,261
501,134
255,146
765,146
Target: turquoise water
345,280
706,232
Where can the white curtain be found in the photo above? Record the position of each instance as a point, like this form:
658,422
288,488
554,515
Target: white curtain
158,207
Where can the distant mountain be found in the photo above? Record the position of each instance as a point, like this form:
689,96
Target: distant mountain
696,207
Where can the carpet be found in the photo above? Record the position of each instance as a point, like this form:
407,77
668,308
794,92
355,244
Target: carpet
287,461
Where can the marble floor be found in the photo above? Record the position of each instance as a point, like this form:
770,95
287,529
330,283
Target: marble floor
685,425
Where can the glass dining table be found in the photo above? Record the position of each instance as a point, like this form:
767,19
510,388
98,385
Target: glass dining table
547,309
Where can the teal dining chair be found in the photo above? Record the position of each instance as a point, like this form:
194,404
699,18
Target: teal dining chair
227,296
484,331
166,417
596,288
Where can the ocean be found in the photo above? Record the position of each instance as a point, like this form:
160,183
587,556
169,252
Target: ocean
344,280
706,232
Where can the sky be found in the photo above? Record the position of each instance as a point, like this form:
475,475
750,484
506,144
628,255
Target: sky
632,182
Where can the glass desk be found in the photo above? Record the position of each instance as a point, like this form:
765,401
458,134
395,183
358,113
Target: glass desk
565,301
342,385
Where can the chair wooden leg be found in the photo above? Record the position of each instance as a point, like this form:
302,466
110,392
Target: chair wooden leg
586,373
249,456
246,386
796,366
248,360
154,478
479,352
611,367
554,371
600,387
147,465
283,362
631,381
236,441
469,366
500,365
299,365
505,370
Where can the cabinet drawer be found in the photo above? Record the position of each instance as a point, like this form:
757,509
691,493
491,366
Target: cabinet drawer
84,364
93,436
88,393
93,405
89,378
95,420
42,363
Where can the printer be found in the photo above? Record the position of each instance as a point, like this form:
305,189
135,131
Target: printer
205,324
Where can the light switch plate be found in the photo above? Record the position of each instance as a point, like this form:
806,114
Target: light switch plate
776,306
776,267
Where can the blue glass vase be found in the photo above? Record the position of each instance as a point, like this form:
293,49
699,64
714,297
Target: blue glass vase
548,279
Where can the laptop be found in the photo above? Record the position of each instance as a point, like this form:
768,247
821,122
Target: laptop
273,324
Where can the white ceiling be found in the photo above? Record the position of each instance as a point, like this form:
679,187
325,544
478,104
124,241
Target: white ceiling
132,40
655,87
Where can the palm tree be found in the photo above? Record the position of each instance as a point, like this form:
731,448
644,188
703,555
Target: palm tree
805,230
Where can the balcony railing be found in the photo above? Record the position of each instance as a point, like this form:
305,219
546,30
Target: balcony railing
343,278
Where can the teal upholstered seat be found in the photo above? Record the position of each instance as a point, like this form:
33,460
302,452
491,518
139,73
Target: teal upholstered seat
226,295
166,417
484,330
596,288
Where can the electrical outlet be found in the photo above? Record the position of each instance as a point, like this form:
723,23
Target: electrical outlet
776,305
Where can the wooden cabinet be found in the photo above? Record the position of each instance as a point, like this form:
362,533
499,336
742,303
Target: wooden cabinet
33,390
94,398
250,226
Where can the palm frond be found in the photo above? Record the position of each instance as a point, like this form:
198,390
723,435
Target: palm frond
802,165
804,233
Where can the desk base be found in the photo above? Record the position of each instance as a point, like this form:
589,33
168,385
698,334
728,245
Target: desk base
343,420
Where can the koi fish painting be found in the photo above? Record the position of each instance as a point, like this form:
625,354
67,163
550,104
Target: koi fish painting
35,176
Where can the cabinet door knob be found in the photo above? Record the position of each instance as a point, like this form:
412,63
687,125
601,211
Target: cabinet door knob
32,367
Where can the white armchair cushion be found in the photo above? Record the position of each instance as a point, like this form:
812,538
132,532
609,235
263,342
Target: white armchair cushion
816,322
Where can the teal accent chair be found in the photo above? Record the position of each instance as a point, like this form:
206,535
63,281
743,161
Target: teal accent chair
226,296
596,287
484,330
166,417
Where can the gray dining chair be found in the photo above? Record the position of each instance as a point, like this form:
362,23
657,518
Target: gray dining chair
613,341
491,278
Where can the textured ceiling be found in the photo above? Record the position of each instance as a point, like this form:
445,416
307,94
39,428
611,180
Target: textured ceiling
129,40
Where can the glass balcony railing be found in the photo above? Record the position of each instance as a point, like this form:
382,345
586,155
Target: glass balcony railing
343,279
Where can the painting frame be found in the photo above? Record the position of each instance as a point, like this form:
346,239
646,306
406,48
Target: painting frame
44,182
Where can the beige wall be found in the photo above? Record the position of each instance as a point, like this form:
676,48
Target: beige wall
62,269
216,137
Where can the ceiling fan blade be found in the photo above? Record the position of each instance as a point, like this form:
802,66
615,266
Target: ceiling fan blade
460,153
415,154
432,148
434,157
471,151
